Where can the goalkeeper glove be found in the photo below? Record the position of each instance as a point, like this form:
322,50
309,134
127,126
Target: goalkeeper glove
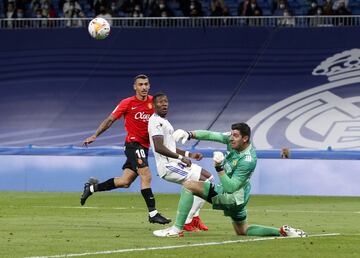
182,135
218,158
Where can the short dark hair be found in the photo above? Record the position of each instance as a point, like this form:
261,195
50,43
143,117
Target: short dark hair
158,95
140,76
243,128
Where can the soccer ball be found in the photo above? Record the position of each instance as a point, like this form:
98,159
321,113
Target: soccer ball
99,28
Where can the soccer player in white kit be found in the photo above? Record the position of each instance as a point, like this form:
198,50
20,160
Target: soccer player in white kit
174,164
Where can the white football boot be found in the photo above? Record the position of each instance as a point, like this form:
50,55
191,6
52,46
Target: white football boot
288,231
169,232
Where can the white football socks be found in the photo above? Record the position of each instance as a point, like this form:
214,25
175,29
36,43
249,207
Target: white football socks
195,209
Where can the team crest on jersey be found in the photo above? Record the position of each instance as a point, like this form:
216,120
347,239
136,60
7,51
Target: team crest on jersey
227,167
150,106
324,116
159,126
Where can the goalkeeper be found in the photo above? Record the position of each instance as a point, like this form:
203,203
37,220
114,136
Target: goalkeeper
233,192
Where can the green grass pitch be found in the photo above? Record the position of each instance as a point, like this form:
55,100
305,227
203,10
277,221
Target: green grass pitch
115,225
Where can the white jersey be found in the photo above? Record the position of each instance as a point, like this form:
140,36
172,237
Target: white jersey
161,126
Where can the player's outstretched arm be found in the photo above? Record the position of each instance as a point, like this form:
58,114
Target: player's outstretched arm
183,136
210,136
106,124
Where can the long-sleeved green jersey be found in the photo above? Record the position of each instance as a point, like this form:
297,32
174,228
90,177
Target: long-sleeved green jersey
238,167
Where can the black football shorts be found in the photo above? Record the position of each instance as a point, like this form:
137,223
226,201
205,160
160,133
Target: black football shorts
136,156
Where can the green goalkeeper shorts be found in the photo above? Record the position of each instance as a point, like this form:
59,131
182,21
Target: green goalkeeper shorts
233,205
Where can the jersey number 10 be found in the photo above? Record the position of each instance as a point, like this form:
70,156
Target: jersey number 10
140,153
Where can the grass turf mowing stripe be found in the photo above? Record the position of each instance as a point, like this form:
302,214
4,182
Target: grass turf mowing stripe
178,246
135,208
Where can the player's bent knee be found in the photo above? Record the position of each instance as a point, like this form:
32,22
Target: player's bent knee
240,233
190,184
145,171
240,228
186,184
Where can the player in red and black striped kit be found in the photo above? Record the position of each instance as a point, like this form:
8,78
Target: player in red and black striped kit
136,111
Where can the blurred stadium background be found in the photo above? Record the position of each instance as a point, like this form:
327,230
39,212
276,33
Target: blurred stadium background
295,79
297,87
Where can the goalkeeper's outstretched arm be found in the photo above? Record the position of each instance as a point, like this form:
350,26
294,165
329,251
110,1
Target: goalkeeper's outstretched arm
183,136
210,136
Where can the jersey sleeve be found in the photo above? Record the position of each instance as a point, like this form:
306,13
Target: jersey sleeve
239,178
155,127
212,136
120,109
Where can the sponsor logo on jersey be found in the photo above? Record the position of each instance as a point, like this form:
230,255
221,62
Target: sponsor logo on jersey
326,116
142,116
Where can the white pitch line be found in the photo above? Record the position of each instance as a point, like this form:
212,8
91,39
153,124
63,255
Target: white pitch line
178,246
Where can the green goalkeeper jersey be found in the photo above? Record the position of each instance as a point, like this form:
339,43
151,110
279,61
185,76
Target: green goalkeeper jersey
238,166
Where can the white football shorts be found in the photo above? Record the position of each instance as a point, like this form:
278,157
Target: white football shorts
178,173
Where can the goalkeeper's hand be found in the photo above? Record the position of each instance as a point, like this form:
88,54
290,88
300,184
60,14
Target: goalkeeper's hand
218,157
181,135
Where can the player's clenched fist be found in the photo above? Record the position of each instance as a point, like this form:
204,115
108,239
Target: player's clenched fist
196,155
218,158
